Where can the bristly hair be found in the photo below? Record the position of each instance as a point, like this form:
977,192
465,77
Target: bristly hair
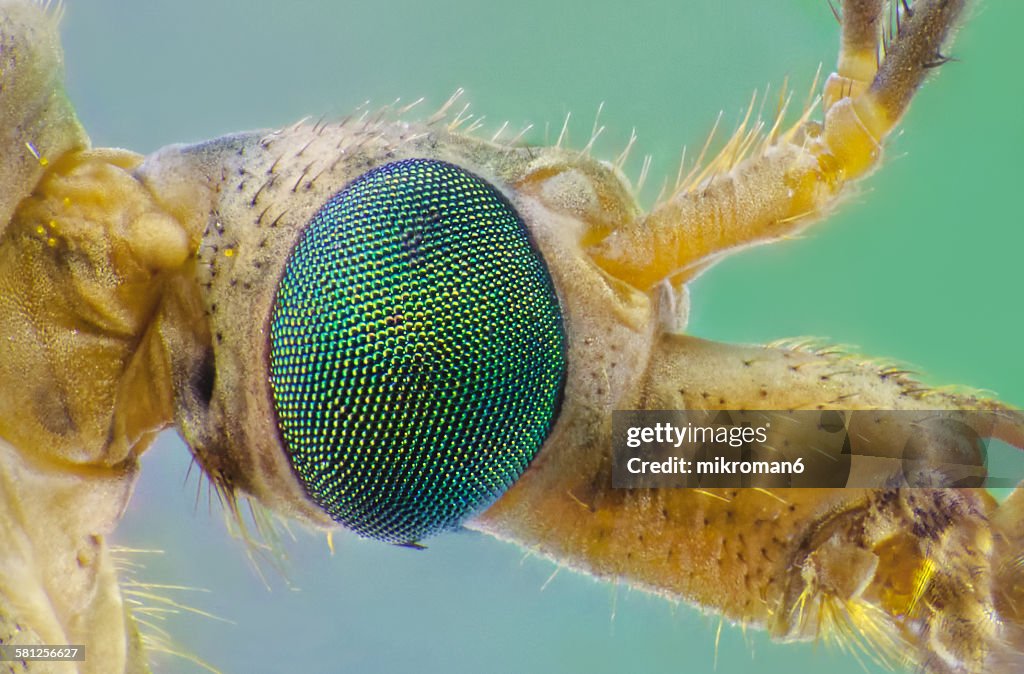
150,604
751,137
259,528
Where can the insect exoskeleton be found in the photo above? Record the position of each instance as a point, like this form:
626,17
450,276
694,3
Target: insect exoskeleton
412,354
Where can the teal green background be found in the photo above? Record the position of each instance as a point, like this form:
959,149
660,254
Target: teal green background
921,264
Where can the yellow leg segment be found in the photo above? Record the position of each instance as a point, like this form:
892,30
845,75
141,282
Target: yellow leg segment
909,576
795,176
861,22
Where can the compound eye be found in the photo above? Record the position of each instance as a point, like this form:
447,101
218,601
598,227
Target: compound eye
417,351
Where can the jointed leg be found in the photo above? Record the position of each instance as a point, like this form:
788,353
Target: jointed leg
921,577
861,22
794,176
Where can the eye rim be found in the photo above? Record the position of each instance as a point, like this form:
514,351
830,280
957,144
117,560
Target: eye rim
548,287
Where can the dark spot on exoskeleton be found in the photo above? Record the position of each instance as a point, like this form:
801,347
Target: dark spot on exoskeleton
887,497
203,379
922,531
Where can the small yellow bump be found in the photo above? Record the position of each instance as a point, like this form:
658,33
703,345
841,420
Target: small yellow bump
229,252
40,230
43,161
51,242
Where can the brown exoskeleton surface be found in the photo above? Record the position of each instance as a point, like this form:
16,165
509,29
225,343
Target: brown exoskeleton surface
108,305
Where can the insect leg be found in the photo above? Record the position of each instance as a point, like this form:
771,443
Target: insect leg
945,579
861,22
1008,567
906,574
761,188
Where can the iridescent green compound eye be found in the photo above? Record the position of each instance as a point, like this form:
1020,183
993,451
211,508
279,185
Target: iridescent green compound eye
417,352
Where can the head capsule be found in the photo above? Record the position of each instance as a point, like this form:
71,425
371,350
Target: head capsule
384,329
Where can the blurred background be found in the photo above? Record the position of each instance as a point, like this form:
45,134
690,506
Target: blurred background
921,265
